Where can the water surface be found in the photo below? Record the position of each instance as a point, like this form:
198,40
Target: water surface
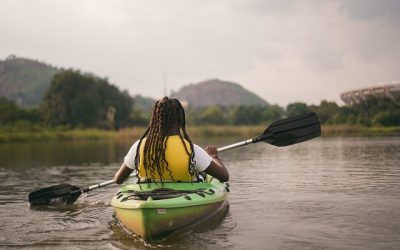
328,193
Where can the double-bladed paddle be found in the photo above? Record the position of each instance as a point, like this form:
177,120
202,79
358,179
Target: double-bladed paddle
280,133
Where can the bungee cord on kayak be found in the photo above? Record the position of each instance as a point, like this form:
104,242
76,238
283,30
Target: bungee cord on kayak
163,193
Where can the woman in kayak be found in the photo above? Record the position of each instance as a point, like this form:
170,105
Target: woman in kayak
166,153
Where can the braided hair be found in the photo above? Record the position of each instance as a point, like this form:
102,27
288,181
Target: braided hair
167,113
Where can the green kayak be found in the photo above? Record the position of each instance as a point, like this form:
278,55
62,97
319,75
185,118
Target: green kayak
155,210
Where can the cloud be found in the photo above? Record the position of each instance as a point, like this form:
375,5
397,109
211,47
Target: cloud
263,6
264,45
371,9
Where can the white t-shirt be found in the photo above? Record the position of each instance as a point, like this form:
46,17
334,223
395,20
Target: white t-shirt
201,157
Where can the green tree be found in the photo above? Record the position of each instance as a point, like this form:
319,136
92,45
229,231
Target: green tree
76,99
273,113
296,108
247,115
212,115
10,113
327,111
378,110
345,115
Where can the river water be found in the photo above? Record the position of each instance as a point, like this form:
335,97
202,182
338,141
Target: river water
328,193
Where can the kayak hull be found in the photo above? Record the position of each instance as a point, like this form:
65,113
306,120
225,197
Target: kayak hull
156,219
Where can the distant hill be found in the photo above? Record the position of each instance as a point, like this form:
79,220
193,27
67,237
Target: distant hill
24,81
143,104
217,92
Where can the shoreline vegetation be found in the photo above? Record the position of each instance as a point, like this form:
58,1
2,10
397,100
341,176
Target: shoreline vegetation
243,131
80,106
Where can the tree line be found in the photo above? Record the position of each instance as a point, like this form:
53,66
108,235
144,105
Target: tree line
373,111
76,100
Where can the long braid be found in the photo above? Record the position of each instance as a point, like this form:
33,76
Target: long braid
153,146
192,170
169,122
138,152
166,113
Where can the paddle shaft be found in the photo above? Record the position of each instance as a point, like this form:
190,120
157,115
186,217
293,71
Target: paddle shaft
98,185
242,143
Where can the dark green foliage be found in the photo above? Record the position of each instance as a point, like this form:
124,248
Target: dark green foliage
374,111
326,111
81,100
213,115
296,108
142,110
234,115
273,113
10,113
247,115
216,115
143,104
139,119
378,111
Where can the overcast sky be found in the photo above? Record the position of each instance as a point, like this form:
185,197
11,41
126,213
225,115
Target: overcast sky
283,50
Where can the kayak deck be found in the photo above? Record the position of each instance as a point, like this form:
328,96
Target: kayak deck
155,210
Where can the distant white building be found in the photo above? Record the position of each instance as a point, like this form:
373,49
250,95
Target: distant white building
391,90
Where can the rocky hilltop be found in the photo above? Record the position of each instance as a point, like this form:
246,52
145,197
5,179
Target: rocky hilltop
217,92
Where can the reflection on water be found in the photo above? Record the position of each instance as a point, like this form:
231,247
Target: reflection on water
335,193
44,154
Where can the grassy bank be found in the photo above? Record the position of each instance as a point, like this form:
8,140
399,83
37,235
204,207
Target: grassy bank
54,135
41,134
351,130
14,135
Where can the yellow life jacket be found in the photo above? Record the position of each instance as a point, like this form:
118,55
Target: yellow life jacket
177,158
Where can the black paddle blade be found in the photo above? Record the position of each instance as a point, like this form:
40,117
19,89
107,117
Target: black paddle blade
292,130
55,195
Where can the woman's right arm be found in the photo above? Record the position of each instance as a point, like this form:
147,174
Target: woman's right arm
122,174
216,168
129,160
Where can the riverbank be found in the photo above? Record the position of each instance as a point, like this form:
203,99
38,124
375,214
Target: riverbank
249,131
358,130
53,134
